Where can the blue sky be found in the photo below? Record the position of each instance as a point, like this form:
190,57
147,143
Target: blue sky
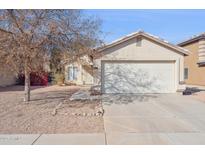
171,25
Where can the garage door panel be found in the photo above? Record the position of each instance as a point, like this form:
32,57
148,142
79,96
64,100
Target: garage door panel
138,77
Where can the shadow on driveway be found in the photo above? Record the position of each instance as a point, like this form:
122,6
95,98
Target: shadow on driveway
110,99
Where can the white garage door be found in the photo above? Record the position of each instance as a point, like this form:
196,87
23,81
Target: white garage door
134,77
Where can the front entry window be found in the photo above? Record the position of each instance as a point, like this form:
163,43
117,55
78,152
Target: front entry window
186,72
72,73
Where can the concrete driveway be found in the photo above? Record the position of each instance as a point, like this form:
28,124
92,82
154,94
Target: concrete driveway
154,119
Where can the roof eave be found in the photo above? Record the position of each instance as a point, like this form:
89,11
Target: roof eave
172,46
191,40
118,42
148,36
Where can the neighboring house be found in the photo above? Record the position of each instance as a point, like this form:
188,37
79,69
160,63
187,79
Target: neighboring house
80,72
7,78
140,63
194,63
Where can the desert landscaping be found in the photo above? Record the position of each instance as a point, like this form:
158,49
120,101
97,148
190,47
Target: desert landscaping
49,111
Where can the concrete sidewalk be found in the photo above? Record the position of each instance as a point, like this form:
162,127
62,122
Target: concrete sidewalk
114,138
53,139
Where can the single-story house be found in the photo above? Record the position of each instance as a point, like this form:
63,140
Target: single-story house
194,63
136,63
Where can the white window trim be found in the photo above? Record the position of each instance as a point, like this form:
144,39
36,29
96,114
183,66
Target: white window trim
74,70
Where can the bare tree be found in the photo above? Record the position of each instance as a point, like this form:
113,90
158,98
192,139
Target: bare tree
28,38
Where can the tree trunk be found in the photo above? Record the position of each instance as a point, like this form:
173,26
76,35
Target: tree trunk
27,86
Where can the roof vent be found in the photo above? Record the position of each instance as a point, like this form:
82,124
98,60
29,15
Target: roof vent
138,42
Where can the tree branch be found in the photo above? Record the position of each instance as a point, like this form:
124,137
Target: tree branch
15,20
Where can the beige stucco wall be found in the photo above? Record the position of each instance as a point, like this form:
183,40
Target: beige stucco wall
87,74
148,50
7,78
196,74
84,75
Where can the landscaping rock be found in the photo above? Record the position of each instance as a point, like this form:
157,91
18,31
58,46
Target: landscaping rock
95,90
190,91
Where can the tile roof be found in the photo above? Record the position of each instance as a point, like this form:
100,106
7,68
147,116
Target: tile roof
142,33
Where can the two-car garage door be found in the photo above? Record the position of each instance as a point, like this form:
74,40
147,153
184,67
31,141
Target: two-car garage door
138,77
